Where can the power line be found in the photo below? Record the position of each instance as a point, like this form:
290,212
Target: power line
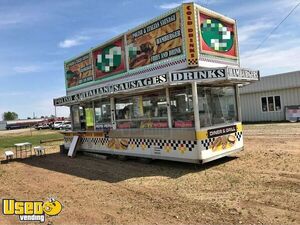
275,28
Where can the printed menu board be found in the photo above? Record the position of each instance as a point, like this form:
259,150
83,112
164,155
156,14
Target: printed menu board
79,70
157,41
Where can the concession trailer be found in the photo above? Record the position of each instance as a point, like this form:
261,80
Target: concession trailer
167,89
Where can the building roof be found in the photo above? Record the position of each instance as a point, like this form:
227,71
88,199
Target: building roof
273,82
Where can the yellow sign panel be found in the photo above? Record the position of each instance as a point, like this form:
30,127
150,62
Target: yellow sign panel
190,34
89,116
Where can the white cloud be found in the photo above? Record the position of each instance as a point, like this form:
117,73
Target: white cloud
248,31
71,42
277,57
26,69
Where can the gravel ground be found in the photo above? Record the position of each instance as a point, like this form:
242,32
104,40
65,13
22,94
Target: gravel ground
260,185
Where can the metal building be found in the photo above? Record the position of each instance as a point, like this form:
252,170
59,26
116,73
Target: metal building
267,99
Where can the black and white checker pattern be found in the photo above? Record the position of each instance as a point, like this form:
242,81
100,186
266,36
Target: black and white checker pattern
158,67
193,62
97,140
239,135
68,139
207,142
138,142
175,144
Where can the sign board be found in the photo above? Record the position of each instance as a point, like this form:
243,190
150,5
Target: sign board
198,75
79,70
217,36
292,113
221,131
130,85
109,59
190,34
240,73
159,40
229,73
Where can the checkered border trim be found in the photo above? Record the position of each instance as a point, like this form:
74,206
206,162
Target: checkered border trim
138,142
68,139
158,67
207,142
239,135
193,62
213,59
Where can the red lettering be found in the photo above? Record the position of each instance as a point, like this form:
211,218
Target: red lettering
190,30
191,35
189,13
189,23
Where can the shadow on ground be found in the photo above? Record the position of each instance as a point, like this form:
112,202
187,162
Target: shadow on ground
113,170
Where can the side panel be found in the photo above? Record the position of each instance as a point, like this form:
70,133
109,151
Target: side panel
177,150
220,141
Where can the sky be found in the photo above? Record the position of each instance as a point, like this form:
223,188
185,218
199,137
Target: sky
37,36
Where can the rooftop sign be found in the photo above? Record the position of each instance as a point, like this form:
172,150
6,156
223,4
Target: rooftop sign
186,36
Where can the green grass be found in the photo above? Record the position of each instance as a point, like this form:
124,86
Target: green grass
8,142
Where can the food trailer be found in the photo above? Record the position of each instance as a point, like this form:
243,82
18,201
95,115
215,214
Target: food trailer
167,89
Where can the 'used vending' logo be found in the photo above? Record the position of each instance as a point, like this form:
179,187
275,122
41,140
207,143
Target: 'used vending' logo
31,210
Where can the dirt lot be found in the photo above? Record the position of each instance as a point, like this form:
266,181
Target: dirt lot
260,185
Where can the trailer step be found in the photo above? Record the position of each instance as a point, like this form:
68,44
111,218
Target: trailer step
73,147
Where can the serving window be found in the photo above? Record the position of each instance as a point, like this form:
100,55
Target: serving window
181,103
142,111
102,114
217,105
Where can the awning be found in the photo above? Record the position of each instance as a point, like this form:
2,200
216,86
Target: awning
224,75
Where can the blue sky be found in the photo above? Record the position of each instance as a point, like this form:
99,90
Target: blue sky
37,36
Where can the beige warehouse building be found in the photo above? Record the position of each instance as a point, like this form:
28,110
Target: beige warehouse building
267,99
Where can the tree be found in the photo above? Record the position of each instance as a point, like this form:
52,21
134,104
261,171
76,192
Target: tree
10,116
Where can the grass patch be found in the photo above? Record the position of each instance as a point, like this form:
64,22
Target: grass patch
9,141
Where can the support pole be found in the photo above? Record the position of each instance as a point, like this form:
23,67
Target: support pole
168,108
196,106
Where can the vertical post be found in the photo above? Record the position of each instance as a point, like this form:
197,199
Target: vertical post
196,106
72,119
168,108
238,103
93,105
113,113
